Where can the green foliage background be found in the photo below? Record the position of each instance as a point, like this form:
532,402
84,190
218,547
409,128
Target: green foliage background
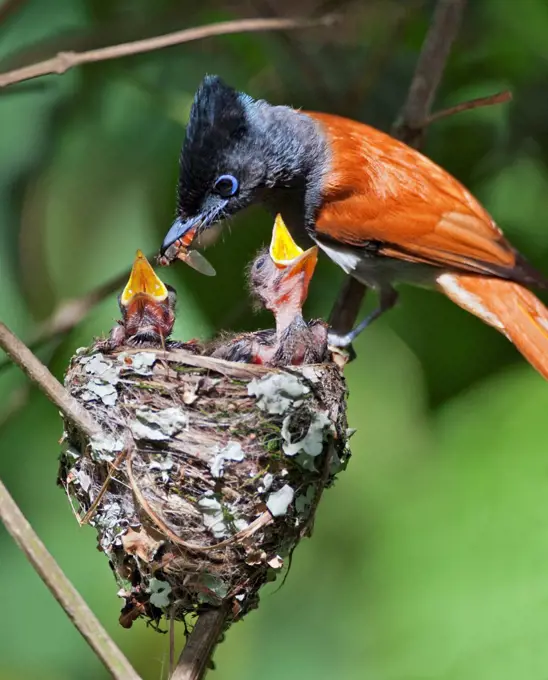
430,556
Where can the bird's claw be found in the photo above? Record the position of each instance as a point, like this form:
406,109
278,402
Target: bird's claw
338,340
342,345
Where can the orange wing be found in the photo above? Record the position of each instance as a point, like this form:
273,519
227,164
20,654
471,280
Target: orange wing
380,190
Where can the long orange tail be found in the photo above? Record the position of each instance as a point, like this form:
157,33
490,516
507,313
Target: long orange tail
508,307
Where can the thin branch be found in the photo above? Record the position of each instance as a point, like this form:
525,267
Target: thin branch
347,305
20,354
241,371
195,657
63,590
491,100
171,641
429,71
426,79
114,467
64,61
382,50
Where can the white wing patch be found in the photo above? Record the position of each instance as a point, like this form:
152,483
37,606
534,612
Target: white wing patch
347,260
377,271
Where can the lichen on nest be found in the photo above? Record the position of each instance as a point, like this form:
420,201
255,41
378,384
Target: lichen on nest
207,475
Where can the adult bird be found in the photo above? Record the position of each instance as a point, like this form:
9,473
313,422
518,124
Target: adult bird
279,280
378,208
147,306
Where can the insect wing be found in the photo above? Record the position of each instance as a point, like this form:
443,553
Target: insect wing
198,262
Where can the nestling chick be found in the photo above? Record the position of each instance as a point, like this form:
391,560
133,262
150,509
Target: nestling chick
245,348
148,311
279,279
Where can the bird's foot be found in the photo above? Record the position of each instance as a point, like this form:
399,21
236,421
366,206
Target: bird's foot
342,340
345,340
341,352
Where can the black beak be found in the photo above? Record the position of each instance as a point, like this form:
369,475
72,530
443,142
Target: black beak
210,213
177,230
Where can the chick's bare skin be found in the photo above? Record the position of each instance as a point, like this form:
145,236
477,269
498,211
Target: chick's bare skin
294,341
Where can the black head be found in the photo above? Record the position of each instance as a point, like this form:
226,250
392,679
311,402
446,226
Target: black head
221,163
235,148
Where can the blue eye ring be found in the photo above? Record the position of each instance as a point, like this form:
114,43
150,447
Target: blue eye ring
226,186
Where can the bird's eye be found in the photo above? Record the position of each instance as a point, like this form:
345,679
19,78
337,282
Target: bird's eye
226,186
260,262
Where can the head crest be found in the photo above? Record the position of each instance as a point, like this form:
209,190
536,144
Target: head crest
217,120
216,106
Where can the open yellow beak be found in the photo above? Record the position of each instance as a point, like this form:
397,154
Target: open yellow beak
143,279
285,253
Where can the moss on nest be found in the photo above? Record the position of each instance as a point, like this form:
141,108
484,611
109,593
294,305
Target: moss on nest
208,473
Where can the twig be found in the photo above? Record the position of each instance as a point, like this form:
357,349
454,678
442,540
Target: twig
426,79
240,371
429,70
199,647
347,305
20,354
69,313
63,590
382,49
93,507
64,61
491,100
171,640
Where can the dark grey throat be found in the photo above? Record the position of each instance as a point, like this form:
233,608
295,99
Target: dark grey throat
297,158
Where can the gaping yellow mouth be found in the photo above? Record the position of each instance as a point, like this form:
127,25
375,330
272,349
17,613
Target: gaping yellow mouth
143,279
283,249
285,253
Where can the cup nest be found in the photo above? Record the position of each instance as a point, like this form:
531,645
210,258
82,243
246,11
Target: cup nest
207,475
